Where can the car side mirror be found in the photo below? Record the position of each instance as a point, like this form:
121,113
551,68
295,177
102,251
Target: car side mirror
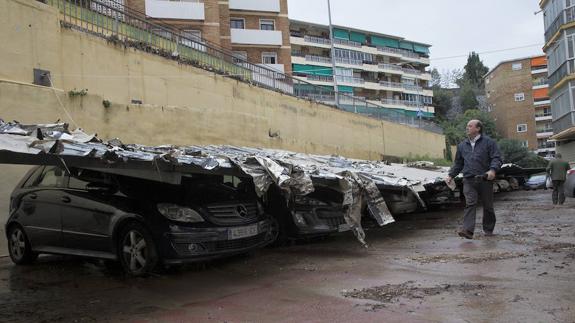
101,188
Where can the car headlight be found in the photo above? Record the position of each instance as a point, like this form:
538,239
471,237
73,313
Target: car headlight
179,213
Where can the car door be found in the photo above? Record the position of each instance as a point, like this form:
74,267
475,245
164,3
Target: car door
41,208
88,211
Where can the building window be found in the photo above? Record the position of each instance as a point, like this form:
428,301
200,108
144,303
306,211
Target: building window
269,58
525,143
237,23
522,127
519,97
517,66
267,24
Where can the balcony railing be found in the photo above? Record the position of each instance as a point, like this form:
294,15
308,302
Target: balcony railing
411,87
350,79
544,130
320,78
565,17
318,59
390,67
346,42
391,84
348,61
398,51
317,40
565,69
401,102
541,81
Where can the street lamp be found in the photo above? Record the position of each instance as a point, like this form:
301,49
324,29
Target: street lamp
335,88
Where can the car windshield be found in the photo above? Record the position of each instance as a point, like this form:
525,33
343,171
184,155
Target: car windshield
537,178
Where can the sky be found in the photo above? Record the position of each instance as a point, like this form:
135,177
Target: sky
452,27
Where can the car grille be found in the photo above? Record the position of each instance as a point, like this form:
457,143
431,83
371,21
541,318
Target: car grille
331,218
231,213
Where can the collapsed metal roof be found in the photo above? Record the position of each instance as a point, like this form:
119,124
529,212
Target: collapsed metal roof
294,173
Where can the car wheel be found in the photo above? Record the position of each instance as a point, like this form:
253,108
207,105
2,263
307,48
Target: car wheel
19,247
137,250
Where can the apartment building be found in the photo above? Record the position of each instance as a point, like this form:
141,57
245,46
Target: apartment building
518,98
559,22
257,31
387,71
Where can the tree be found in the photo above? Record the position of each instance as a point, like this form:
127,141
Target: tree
514,152
467,97
435,79
455,130
474,71
442,102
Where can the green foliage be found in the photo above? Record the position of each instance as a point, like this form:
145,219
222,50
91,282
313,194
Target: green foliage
455,130
467,97
442,101
514,152
74,92
474,71
435,79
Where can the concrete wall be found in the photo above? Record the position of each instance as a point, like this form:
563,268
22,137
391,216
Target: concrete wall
182,104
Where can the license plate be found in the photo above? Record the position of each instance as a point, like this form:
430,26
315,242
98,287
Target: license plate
243,232
343,227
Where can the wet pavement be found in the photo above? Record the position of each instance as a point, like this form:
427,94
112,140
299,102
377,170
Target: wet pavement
415,270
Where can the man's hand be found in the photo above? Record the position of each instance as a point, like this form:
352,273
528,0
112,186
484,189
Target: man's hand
448,179
491,175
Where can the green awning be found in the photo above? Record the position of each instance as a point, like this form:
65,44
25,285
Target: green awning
406,45
312,70
342,88
421,49
340,33
357,37
384,42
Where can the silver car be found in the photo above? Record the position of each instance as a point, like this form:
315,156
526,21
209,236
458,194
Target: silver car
570,183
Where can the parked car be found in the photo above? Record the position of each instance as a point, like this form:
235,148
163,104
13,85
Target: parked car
570,183
138,222
536,182
319,213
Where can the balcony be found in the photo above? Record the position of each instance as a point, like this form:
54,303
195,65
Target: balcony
192,10
255,5
317,40
346,42
320,78
350,79
390,67
544,132
567,16
543,117
348,61
398,51
401,103
318,59
256,37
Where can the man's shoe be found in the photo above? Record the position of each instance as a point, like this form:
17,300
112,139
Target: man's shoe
489,233
465,234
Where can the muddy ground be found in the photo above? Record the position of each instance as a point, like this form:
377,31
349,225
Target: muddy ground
415,270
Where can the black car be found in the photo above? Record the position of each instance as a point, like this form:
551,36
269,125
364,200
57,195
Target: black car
141,223
319,213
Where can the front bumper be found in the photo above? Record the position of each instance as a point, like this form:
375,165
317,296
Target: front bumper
319,221
185,244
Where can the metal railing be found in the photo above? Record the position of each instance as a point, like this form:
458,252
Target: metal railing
568,67
321,78
350,79
401,102
346,42
348,61
565,17
398,51
316,40
120,24
540,81
318,59
390,67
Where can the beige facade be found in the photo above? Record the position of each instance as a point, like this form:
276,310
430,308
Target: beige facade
517,95
180,104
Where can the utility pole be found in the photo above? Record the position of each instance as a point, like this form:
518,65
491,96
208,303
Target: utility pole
336,90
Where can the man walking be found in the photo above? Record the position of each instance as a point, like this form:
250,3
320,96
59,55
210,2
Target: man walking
557,171
479,159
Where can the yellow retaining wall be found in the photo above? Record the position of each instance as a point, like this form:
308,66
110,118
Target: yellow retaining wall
182,104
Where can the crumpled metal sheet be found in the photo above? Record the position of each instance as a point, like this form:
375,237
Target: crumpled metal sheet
293,172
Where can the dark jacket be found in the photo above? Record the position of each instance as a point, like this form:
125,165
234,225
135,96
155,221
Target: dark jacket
476,161
557,169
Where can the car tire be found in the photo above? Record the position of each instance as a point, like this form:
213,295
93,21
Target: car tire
19,246
279,232
136,250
